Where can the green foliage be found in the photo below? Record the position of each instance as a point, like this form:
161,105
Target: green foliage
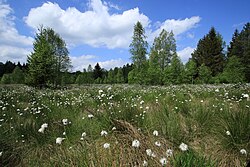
97,72
234,71
6,79
138,46
119,76
163,49
209,52
190,72
191,159
173,73
204,73
49,59
237,123
197,115
240,47
18,76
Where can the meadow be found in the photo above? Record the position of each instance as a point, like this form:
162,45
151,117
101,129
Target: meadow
125,125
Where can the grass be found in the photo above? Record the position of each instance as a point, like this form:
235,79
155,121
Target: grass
198,115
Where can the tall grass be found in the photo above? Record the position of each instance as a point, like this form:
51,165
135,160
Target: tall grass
198,115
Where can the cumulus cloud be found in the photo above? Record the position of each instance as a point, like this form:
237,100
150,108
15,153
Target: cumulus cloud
81,62
177,26
13,46
185,54
97,27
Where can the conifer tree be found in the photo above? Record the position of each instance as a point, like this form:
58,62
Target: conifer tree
209,52
48,60
138,50
138,46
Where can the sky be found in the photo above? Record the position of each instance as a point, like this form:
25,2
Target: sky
101,30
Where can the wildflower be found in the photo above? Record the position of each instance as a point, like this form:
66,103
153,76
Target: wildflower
145,163
243,151
104,133
217,90
183,147
149,152
169,152
59,140
228,133
90,116
155,133
202,101
163,161
84,134
65,121
43,127
1,153
64,133
114,128
135,143
106,145
41,130
245,95
157,143
100,91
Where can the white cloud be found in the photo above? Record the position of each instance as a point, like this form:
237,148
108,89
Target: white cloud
185,54
97,27
13,46
81,62
112,63
14,54
177,26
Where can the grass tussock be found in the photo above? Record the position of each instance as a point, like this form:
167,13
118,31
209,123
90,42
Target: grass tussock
121,125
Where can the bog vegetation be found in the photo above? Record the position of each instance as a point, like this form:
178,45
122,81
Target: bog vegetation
124,125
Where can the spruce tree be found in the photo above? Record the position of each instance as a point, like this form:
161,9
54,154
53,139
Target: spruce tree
240,47
234,71
97,73
48,60
138,46
209,52
138,50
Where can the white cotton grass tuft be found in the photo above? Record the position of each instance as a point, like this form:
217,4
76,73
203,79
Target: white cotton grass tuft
83,135
149,152
90,116
106,145
183,147
145,163
104,133
135,143
155,133
163,161
59,140
43,127
65,121
157,143
243,151
169,152
228,133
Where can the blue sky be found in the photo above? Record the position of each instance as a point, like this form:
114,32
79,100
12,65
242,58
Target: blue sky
101,31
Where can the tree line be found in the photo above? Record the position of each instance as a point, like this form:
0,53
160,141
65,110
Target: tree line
211,62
